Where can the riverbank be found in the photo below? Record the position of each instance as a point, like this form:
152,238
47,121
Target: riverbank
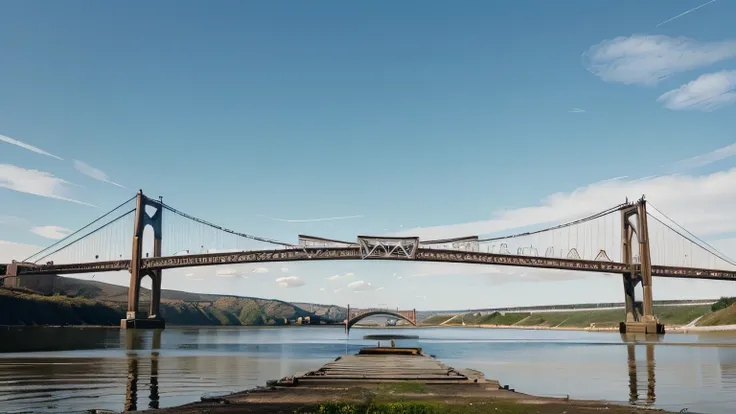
675,319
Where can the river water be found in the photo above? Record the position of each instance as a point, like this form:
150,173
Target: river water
69,370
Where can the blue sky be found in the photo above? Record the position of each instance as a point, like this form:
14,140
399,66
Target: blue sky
410,115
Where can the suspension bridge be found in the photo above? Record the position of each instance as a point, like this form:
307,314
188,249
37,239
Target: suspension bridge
619,240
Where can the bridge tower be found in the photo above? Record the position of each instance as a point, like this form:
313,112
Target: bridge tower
142,219
638,320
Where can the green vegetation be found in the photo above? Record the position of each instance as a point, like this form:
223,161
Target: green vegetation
599,318
723,303
17,308
81,302
725,316
473,406
435,319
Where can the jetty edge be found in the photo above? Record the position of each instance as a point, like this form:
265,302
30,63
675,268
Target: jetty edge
392,380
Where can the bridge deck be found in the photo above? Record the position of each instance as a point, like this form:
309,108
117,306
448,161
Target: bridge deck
389,368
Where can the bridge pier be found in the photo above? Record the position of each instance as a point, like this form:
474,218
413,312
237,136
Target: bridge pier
134,319
644,320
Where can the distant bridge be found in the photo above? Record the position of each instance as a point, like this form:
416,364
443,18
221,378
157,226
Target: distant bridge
356,315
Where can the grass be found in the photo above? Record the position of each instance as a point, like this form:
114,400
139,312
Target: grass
725,316
435,319
418,407
599,318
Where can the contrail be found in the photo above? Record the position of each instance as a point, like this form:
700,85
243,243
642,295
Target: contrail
23,145
310,220
686,12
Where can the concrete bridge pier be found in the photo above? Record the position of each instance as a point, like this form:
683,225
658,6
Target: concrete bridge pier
133,318
640,320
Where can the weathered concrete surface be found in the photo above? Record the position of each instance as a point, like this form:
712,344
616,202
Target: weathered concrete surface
473,398
377,380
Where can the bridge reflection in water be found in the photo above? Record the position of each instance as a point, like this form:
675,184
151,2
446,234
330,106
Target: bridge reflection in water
642,378
134,341
637,395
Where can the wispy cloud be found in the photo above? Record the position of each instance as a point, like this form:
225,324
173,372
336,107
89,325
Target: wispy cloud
289,282
310,220
93,172
360,286
51,232
260,270
228,271
10,220
23,145
706,93
702,203
708,158
284,269
646,60
576,111
36,182
685,13
335,277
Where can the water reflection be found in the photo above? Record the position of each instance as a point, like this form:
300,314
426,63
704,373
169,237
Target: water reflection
138,370
634,397
134,341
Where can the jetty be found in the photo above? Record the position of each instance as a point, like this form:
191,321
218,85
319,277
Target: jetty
385,365
387,380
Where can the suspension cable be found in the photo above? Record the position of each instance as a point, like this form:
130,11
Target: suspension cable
560,226
233,232
67,237
81,238
709,248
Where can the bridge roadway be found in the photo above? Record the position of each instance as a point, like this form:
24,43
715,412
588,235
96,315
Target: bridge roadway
354,253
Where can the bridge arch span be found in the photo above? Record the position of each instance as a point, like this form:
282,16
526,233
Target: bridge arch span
358,318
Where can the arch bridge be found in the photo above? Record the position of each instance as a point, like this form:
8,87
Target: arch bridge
356,315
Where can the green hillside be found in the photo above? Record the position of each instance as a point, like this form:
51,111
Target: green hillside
600,318
726,316
85,302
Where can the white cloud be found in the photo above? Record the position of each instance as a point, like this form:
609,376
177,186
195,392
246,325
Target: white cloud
707,93
647,59
51,232
379,288
189,275
93,172
227,271
284,269
335,277
360,286
36,182
708,158
289,282
260,270
10,220
10,251
703,204
576,111
23,145
338,290
321,289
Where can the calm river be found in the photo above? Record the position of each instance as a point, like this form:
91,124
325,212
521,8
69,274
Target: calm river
69,370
